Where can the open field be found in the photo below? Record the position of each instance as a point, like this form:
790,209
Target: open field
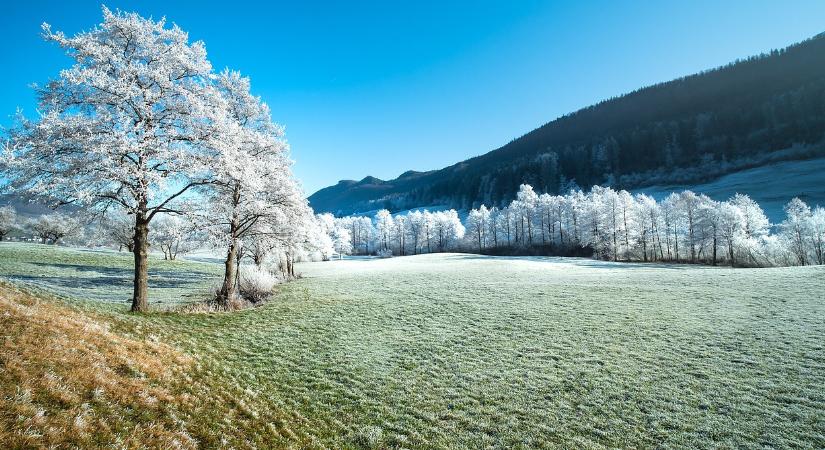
442,351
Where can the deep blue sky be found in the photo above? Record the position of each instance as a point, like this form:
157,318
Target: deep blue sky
382,87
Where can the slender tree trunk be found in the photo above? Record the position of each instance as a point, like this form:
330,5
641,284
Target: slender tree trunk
626,236
140,297
644,245
714,248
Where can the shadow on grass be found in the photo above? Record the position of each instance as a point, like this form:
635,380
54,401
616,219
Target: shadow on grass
128,272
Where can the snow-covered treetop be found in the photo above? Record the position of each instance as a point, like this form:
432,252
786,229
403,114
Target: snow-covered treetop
129,123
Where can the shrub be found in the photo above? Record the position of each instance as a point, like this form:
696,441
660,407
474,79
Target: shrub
255,284
385,253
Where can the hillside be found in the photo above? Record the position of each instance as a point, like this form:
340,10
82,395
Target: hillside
747,114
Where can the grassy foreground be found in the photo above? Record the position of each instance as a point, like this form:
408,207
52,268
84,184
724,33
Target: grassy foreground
434,351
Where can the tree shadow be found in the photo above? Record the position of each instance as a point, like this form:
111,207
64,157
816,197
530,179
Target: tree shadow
128,273
97,282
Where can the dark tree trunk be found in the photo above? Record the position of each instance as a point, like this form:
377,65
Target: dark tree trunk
229,274
140,297
714,250
644,246
230,265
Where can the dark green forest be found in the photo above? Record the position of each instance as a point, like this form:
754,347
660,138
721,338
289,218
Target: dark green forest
750,112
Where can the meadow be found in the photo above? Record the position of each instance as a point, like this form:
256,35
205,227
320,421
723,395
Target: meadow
439,350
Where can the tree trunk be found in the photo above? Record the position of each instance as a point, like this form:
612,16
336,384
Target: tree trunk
229,273
644,245
714,249
230,266
140,297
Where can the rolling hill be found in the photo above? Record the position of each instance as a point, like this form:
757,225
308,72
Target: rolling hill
750,113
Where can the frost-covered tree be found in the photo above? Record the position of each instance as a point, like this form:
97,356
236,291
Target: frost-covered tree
51,228
672,218
361,231
448,229
797,230
400,233
319,240
688,204
545,216
341,241
252,189
503,224
817,224
626,209
126,125
755,227
710,220
476,225
492,225
8,221
174,235
384,229
415,229
730,226
525,205
118,229
646,219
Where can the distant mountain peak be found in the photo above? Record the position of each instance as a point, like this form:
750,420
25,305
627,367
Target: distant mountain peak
371,180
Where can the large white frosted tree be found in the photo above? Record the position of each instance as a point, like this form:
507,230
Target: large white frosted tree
123,127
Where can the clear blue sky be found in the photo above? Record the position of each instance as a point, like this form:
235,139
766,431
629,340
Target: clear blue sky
377,88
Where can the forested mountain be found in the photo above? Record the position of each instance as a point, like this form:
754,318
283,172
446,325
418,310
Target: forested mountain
766,108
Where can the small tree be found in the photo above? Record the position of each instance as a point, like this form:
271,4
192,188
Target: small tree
477,222
818,232
51,228
174,235
796,229
119,229
341,241
8,221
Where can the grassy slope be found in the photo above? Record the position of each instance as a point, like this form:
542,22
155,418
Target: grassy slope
772,186
464,351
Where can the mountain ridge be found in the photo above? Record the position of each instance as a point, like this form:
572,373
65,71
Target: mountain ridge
729,116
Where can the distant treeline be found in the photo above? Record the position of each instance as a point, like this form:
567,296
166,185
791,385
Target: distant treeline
602,223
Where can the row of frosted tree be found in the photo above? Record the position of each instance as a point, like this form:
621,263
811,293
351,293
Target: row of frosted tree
607,224
141,127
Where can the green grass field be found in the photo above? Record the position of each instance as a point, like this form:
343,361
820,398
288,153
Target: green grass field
462,351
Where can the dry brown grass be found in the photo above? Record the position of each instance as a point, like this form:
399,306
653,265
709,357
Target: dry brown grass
67,380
